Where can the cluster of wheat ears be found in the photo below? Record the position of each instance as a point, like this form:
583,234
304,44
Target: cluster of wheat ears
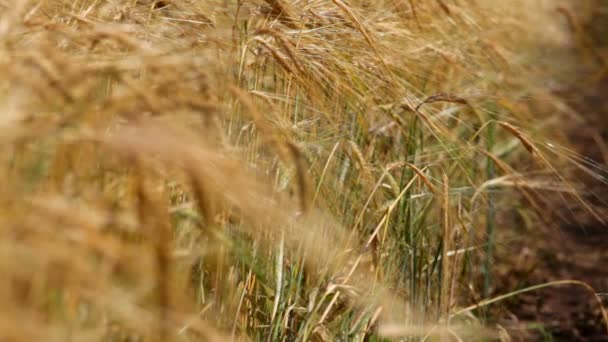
274,170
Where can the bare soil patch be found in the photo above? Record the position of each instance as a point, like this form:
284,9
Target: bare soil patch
577,249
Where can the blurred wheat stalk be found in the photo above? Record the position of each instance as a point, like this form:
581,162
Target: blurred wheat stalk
269,170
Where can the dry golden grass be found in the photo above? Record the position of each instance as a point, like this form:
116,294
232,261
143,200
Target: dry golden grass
270,170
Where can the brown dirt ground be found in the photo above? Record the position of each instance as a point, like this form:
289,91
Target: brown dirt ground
574,250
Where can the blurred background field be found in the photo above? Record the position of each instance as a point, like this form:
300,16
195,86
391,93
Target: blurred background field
290,170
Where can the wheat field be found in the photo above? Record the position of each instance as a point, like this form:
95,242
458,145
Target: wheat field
277,170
